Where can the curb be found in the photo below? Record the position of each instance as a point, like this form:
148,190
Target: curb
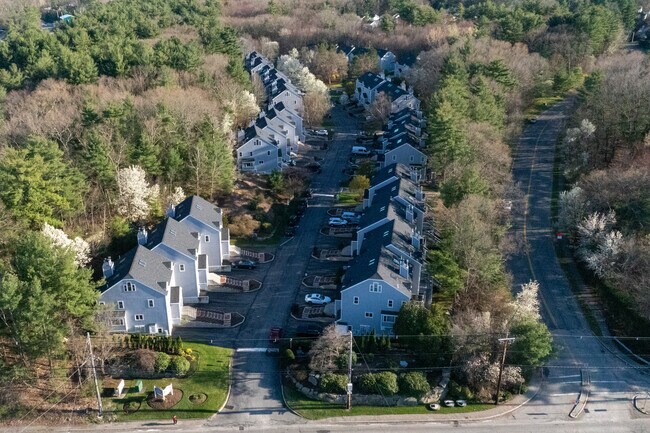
306,320
284,400
225,402
636,406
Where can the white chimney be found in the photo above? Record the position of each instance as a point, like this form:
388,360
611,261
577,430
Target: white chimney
142,235
409,213
108,267
403,268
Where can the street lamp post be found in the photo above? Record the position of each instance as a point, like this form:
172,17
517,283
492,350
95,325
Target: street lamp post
349,387
505,342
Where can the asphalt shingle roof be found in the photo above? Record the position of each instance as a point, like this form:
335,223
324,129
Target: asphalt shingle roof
200,209
370,80
143,265
174,234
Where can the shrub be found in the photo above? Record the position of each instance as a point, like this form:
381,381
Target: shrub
384,383
413,384
334,383
289,355
162,362
343,360
179,365
144,361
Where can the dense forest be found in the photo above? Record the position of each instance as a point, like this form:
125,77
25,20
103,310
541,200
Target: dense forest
109,117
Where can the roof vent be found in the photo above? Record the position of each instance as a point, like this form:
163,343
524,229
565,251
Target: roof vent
371,262
173,232
199,207
142,263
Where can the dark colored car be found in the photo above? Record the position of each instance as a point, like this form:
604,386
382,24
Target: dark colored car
308,331
275,334
245,264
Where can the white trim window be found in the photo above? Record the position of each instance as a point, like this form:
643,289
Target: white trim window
120,305
355,300
207,238
150,303
181,267
139,328
118,322
375,288
129,287
138,317
390,303
369,315
388,318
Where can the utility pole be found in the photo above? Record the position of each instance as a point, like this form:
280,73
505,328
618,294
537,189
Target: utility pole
92,364
505,342
349,406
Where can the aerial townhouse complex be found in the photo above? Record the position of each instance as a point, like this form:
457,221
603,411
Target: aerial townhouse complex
168,268
389,251
271,140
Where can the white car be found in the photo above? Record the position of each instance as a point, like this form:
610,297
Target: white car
434,406
317,299
461,403
336,221
321,132
449,403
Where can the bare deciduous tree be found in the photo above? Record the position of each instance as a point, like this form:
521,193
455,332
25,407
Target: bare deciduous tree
327,349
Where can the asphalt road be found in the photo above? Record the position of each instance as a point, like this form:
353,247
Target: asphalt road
255,398
614,380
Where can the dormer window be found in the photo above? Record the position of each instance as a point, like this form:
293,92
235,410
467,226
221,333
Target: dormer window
129,287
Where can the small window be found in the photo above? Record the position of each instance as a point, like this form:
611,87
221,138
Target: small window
388,318
241,154
403,303
268,152
390,303
375,288
411,158
260,162
368,315
160,331
207,238
139,317
355,300
150,303
395,157
129,287
102,303
120,305
181,267
250,153
139,328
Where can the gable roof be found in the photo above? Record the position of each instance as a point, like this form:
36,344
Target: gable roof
142,265
174,234
383,175
408,59
391,89
370,80
200,209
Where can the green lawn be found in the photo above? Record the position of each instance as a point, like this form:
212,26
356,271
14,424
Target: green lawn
540,105
348,199
211,378
314,409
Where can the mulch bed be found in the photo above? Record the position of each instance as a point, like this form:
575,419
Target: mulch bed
170,400
198,398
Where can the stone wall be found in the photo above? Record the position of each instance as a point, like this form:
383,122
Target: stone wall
357,399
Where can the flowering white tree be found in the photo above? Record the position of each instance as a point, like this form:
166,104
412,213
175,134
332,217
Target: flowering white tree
573,205
60,239
600,246
290,65
135,194
177,196
526,304
482,375
576,148
243,106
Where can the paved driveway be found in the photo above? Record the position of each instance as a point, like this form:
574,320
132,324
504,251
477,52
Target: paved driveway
256,393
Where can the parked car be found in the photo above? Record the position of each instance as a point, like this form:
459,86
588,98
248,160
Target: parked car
275,334
321,132
245,264
317,299
336,221
434,406
449,403
308,331
461,403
